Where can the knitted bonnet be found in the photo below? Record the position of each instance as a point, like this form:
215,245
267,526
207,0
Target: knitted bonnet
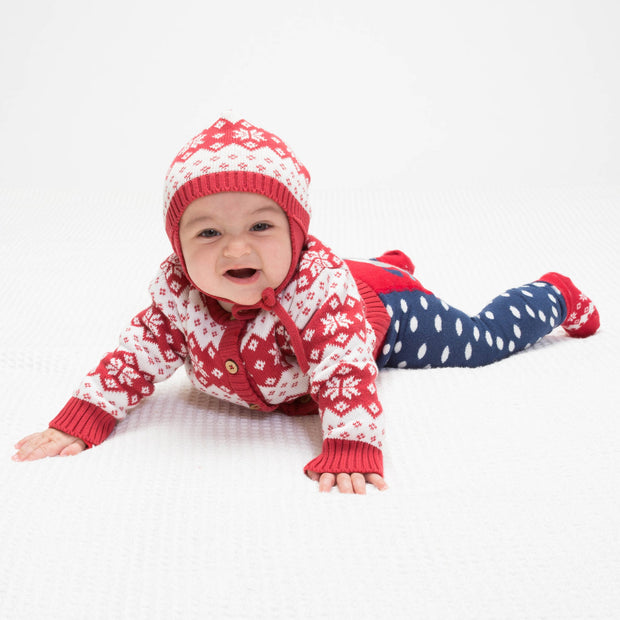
235,156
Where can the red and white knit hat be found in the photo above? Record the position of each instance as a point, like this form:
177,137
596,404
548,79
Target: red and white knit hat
235,156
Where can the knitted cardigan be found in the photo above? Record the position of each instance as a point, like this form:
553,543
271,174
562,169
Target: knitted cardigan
251,361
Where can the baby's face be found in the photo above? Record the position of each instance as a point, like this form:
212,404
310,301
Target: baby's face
235,244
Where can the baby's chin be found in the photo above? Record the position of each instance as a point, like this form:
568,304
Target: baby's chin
228,304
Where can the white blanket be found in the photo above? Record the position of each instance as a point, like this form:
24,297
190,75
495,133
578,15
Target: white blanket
504,480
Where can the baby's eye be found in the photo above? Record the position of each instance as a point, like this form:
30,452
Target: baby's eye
261,226
208,233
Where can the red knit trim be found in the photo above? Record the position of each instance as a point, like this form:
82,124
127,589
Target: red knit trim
84,420
232,181
376,314
340,456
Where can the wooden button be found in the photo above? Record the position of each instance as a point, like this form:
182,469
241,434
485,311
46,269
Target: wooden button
231,367
305,399
254,406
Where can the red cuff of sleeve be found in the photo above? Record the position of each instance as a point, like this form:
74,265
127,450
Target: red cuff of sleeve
84,420
340,456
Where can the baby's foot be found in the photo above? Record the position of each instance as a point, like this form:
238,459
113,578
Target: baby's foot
582,318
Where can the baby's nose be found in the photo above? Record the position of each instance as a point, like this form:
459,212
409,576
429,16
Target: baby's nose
237,246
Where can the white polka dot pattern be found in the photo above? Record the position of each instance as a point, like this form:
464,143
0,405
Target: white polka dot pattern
427,332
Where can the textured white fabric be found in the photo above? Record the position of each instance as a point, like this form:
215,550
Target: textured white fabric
504,498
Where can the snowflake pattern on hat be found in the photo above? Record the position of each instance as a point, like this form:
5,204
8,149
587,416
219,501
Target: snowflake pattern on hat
230,146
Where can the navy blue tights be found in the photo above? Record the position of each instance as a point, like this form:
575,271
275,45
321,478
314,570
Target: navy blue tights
427,332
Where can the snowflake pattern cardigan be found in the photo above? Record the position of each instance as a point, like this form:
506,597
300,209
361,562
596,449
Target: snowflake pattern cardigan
251,362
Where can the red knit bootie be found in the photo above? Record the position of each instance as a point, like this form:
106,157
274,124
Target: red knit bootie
398,259
582,318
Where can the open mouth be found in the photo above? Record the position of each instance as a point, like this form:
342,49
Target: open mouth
241,274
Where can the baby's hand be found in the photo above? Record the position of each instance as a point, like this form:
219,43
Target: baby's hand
347,483
48,443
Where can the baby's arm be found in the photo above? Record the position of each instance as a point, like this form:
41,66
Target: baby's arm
150,350
50,442
339,346
347,483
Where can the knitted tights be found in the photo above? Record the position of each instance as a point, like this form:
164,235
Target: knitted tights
427,332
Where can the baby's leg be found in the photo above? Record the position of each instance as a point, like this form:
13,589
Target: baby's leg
427,332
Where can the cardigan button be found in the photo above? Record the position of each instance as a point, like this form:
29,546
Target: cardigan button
306,398
254,406
231,367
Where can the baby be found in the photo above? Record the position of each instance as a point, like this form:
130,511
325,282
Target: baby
264,315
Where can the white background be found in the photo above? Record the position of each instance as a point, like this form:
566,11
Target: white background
101,95
503,499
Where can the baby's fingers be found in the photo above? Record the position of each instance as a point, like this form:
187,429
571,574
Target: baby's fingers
23,441
326,482
34,447
72,449
377,480
48,443
31,449
347,483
